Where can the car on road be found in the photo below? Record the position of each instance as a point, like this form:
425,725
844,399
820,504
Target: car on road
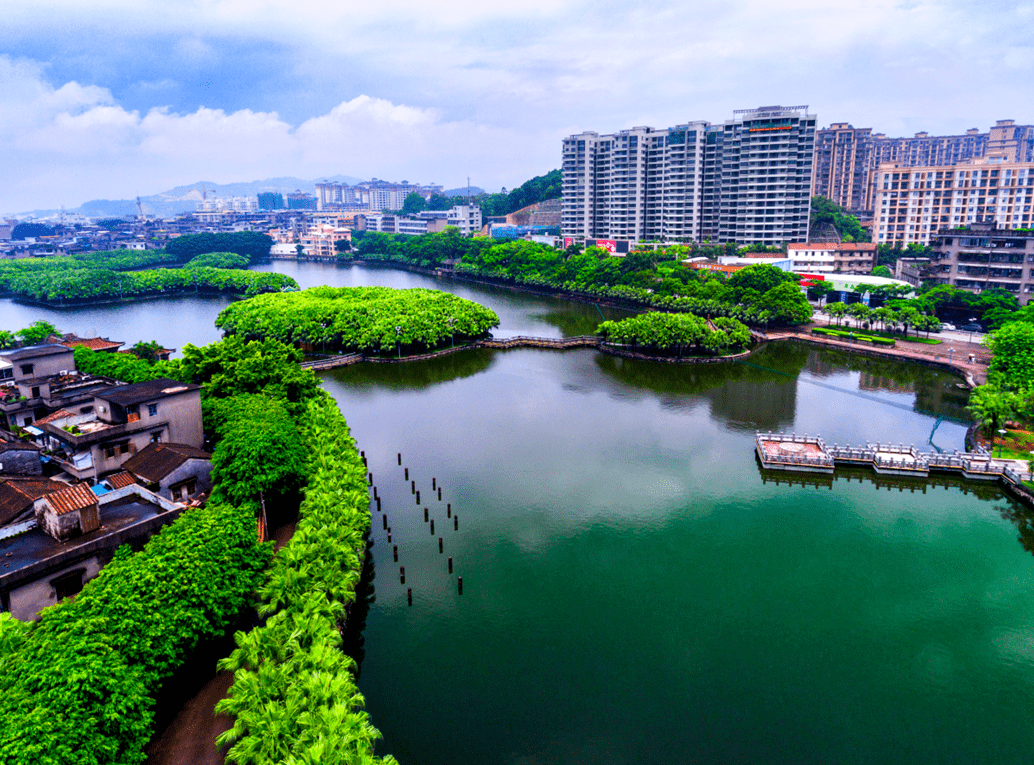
971,328
945,325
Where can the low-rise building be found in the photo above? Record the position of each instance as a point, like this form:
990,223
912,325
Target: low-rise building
122,422
833,257
177,472
984,257
73,533
467,218
39,379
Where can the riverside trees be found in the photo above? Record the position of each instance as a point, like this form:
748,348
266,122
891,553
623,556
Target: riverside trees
671,333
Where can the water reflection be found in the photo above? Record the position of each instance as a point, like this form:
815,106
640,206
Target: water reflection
367,377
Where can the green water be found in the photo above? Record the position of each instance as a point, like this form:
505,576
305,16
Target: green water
637,591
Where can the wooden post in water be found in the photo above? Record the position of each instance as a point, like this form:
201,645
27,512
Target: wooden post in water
412,487
385,519
432,527
407,474
402,574
400,458
460,582
439,494
371,479
450,564
456,522
410,595
441,546
418,497
448,509
434,482
396,551
425,515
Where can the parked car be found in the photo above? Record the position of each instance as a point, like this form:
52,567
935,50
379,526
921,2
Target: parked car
971,328
945,325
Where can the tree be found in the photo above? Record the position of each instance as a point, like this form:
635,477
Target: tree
37,332
342,246
259,452
860,312
7,339
1013,347
836,310
883,271
761,278
146,351
31,231
827,212
414,203
991,406
821,290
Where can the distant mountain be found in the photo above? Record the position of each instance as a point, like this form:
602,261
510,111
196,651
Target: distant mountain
185,198
462,191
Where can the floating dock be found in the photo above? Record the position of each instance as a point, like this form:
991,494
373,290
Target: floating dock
811,454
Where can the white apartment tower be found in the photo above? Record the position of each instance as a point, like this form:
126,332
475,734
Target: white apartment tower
748,180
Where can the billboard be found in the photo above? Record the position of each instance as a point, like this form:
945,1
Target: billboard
609,245
568,241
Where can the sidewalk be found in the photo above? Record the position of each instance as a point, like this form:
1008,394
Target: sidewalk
935,355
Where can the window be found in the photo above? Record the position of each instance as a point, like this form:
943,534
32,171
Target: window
27,369
28,421
156,437
109,452
35,392
152,410
69,584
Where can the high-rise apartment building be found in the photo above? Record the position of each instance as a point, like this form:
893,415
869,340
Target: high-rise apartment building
747,180
846,158
914,203
375,195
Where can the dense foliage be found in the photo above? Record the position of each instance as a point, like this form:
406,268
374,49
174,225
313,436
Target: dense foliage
218,260
826,212
653,279
538,189
125,260
677,332
75,285
250,244
78,684
294,698
366,319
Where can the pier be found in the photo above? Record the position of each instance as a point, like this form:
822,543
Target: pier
811,454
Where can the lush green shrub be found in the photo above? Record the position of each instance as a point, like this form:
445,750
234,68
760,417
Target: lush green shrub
218,260
366,319
668,332
294,697
250,244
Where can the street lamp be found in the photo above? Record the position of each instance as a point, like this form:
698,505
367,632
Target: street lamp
398,340
1001,442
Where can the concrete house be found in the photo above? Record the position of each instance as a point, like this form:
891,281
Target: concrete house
39,379
69,512
174,471
123,421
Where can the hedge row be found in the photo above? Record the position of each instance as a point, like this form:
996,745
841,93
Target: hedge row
875,340
294,698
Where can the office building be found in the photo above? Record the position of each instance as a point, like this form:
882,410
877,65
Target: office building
914,203
747,180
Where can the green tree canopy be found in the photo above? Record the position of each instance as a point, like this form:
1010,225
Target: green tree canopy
414,203
827,212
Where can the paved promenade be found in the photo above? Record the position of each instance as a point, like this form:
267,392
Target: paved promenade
952,354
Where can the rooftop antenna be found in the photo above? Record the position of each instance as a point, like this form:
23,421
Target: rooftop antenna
468,188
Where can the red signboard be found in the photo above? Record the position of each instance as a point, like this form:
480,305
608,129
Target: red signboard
809,279
568,241
607,244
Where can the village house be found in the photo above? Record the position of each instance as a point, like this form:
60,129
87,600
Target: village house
177,472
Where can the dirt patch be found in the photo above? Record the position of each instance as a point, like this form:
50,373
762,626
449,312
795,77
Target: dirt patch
190,738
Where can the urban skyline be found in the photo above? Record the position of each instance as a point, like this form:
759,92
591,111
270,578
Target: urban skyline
109,100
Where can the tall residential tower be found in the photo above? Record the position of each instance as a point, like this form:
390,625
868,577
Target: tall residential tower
747,180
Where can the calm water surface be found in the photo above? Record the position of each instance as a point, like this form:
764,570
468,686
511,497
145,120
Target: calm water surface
636,590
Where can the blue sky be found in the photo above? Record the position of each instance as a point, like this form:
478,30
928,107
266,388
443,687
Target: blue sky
112,98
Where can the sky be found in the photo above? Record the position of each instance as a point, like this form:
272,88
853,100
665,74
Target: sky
113,98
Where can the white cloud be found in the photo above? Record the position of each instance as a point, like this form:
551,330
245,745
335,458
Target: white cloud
76,144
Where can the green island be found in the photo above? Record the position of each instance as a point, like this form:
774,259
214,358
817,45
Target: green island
185,265
194,579
373,320
669,333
